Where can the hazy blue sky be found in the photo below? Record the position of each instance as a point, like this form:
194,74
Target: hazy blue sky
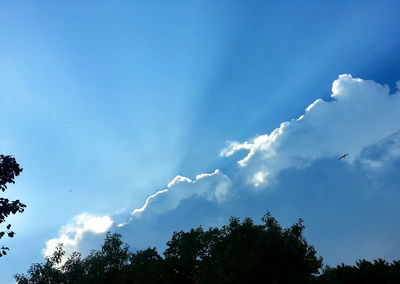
105,103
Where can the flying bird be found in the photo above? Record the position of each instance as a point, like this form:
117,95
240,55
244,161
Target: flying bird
344,156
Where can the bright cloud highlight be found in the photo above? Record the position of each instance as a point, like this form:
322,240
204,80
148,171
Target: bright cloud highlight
361,119
213,187
71,234
361,113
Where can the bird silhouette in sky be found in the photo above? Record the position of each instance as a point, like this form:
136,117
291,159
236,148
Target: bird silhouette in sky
344,156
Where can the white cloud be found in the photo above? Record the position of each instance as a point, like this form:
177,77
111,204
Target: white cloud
213,187
361,119
141,209
361,113
71,234
234,147
260,178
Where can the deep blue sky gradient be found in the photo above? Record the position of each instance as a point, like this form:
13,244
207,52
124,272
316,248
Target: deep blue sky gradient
111,100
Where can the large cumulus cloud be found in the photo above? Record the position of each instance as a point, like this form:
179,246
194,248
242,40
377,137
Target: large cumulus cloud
350,206
360,113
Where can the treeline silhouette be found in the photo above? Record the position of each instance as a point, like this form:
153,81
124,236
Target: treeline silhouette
240,252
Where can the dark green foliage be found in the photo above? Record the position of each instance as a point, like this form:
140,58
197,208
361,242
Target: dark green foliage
240,252
46,272
262,254
146,266
378,271
9,169
187,254
104,266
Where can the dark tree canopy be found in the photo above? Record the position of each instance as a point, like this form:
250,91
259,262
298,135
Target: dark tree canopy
378,271
113,263
9,169
240,252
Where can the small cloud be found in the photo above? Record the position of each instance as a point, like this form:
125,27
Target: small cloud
260,178
235,147
71,234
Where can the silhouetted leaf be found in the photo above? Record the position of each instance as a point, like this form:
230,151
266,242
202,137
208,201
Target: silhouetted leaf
9,169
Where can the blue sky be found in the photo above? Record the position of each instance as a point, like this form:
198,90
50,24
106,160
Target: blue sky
104,104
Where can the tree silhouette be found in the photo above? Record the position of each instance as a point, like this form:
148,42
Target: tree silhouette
378,271
240,252
186,254
9,169
146,266
47,272
105,265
